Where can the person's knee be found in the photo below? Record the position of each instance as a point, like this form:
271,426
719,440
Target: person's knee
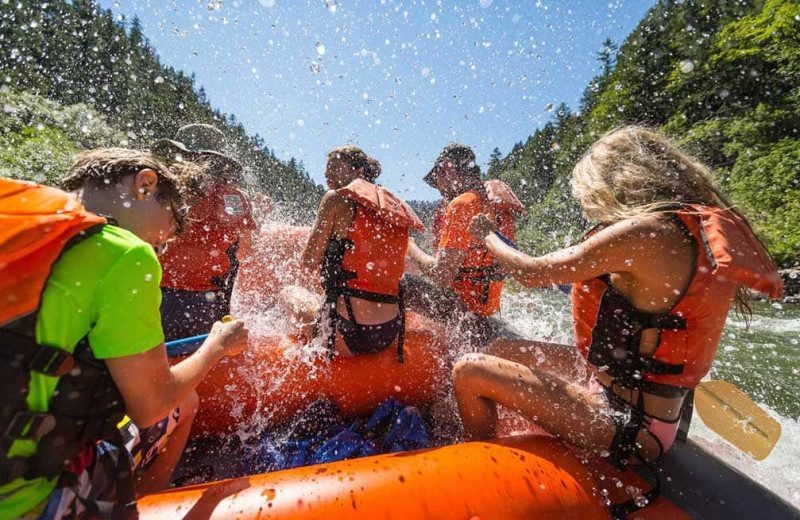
189,407
468,368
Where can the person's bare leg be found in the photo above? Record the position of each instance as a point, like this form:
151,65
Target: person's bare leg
563,409
158,475
562,360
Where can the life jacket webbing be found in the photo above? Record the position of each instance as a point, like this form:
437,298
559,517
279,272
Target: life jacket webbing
334,280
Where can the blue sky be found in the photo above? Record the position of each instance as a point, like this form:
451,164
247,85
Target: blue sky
399,78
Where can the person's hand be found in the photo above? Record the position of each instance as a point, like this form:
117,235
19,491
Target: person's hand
481,226
230,336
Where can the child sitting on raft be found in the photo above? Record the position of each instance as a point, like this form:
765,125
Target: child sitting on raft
358,243
652,286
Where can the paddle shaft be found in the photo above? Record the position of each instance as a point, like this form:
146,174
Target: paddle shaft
186,346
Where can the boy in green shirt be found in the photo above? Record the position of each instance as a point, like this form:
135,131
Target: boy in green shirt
106,288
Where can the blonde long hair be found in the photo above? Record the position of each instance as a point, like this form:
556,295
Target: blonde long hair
633,170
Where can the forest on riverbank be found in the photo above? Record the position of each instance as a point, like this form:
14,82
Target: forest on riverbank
720,76
72,76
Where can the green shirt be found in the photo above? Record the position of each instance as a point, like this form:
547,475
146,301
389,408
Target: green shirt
106,286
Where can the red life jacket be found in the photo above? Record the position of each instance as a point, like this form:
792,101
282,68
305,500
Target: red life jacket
370,261
608,329
379,234
480,278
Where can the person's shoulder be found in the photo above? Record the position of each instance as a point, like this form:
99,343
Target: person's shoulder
647,230
333,200
468,198
114,242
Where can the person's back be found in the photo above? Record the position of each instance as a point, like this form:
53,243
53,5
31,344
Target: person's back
359,239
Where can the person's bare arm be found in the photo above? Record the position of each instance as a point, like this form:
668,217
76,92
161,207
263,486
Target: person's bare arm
151,388
633,246
330,209
441,269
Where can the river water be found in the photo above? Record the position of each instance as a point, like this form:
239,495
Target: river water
762,360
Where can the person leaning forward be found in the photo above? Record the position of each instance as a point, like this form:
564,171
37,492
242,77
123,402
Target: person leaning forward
462,283
200,266
83,336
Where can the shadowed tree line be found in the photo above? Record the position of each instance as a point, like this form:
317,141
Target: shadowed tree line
74,77
720,76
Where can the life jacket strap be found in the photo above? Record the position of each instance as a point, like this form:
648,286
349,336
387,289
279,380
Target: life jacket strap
22,351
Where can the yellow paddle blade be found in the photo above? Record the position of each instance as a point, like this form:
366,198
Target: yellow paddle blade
736,418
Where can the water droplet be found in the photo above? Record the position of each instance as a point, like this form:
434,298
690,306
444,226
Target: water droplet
159,79
148,277
126,204
320,49
686,66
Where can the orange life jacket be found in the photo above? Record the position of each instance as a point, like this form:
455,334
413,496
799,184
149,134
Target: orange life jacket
608,329
370,261
36,222
379,234
480,278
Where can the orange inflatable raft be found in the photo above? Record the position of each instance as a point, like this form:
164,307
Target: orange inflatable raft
277,377
518,478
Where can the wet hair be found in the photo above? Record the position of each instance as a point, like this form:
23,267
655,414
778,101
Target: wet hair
633,171
373,169
352,155
105,166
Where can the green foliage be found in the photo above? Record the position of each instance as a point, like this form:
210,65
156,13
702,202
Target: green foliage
76,55
40,137
722,77
767,185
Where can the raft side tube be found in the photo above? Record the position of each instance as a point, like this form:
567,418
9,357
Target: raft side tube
709,489
518,478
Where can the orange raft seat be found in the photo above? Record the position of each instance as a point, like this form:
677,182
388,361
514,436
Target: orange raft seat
278,376
517,478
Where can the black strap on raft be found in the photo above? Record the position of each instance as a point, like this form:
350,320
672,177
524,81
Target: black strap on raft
334,283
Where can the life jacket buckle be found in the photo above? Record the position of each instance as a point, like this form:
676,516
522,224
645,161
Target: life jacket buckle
51,361
38,425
